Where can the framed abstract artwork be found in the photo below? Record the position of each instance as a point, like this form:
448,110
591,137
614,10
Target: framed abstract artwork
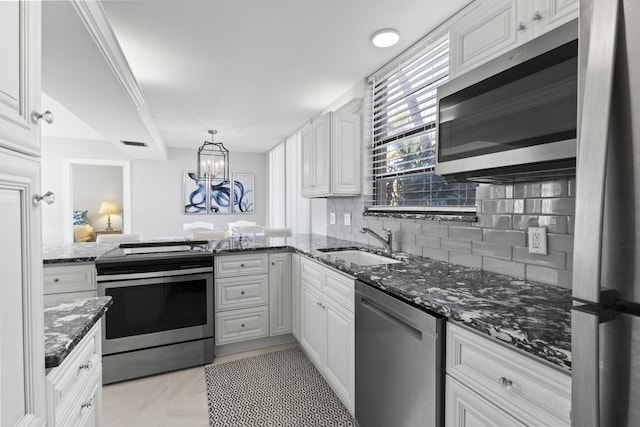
194,195
220,198
243,193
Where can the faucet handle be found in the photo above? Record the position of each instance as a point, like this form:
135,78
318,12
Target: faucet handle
387,230
363,229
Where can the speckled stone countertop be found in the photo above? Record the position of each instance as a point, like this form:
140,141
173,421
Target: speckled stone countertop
532,317
74,252
66,323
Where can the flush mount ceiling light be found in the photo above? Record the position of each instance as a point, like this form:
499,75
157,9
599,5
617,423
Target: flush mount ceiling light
385,38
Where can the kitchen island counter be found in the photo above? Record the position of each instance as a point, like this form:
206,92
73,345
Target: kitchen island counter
530,316
67,322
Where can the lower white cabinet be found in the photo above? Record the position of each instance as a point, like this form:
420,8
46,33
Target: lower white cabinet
74,389
327,330
295,295
252,296
488,383
69,281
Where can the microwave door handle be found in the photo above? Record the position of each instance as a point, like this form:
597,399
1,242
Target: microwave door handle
592,150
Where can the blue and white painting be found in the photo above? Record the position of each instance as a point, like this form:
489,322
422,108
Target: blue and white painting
220,197
194,194
243,193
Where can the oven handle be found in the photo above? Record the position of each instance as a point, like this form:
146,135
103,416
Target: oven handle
153,274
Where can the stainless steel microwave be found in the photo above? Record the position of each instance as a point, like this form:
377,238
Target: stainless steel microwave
513,118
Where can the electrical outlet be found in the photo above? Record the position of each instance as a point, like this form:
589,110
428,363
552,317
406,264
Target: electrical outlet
332,218
347,219
538,240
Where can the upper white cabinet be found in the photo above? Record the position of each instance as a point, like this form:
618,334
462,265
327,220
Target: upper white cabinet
331,159
22,376
20,75
495,27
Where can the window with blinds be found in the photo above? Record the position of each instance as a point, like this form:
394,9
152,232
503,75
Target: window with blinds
403,133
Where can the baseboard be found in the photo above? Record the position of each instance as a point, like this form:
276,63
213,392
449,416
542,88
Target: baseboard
239,347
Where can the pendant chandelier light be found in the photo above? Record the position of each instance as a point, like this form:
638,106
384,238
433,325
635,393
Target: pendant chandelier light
213,161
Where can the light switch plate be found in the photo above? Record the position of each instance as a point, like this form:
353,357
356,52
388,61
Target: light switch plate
347,219
537,240
332,218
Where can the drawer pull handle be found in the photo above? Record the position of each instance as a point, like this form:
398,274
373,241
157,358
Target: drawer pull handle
85,366
506,383
87,405
320,304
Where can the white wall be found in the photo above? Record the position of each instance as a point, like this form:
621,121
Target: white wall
156,188
156,192
94,184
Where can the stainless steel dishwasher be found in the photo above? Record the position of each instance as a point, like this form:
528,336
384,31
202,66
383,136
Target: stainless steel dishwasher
399,357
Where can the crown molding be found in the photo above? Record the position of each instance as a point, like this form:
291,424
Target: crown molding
95,20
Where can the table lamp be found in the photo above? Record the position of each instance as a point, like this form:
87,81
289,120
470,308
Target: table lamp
108,208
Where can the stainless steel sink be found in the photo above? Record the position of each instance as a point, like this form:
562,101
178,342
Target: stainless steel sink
363,258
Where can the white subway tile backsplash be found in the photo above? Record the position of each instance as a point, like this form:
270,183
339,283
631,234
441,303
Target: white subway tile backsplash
456,245
509,268
540,274
552,259
467,260
435,230
437,254
428,241
491,249
560,242
505,237
465,233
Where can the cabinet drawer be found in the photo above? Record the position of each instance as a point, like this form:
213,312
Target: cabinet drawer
240,325
232,265
311,273
48,298
69,278
66,382
530,390
240,292
339,288
81,412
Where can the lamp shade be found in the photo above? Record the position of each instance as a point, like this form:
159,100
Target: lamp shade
108,207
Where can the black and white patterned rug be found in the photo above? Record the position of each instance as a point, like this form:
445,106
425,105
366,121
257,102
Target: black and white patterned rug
282,388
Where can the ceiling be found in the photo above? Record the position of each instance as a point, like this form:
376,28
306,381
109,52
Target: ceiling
255,70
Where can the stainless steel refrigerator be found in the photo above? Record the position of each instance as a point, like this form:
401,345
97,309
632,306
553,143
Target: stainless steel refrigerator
606,278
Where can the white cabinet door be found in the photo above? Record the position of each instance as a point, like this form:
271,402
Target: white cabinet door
322,145
22,379
549,14
345,151
20,75
486,32
313,325
308,161
340,351
279,293
295,295
464,408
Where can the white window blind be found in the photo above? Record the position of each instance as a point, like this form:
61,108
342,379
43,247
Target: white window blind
403,133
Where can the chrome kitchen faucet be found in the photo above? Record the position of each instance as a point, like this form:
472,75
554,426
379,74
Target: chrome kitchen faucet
387,243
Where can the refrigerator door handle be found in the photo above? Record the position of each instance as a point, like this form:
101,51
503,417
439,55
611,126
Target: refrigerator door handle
592,150
585,365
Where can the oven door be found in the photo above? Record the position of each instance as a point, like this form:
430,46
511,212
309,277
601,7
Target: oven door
155,309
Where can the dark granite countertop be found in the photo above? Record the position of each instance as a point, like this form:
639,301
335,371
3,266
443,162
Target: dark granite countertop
532,317
74,252
66,323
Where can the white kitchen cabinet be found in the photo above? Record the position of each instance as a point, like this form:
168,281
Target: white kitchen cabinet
22,376
488,382
279,293
331,156
295,295
20,75
69,281
327,330
74,389
494,27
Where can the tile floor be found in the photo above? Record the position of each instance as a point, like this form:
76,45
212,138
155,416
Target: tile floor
174,399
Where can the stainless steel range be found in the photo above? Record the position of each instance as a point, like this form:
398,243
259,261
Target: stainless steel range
162,313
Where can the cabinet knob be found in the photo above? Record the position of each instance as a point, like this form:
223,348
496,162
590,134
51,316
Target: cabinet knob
242,326
273,263
47,116
506,383
87,405
241,292
56,280
242,265
85,366
537,16
48,197
521,26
